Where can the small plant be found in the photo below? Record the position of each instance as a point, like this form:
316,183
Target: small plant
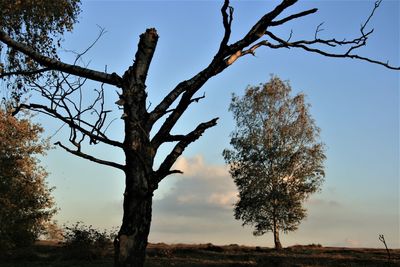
382,239
86,242
314,245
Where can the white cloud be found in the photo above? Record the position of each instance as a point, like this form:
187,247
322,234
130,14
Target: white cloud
225,200
203,183
187,199
196,167
202,187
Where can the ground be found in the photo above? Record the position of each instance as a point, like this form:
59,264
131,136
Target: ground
51,254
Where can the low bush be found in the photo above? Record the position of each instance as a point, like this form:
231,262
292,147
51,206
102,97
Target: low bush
86,242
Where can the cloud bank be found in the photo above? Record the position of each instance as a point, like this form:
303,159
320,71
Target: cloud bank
198,208
199,203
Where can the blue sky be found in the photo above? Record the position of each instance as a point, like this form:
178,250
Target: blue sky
355,104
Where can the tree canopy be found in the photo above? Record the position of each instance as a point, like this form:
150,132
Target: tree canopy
25,198
277,158
39,24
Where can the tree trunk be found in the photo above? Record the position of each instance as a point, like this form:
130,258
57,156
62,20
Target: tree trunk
131,242
277,242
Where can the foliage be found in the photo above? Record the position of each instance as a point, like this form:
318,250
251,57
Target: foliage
277,160
39,24
53,232
87,242
25,198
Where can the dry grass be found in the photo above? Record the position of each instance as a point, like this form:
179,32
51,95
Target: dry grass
181,255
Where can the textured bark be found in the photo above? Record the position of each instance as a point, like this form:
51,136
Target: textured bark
130,244
277,242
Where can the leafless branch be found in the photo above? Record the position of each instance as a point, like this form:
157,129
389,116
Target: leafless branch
294,16
166,165
23,72
248,51
197,99
70,122
227,22
91,158
290,36
258,30
79,55
176,113
223,58
377,3
55,64
304,44
62,94
318,29
220,62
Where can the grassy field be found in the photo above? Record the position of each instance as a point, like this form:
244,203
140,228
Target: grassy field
52,255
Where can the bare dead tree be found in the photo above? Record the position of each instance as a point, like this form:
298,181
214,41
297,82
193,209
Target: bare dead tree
141,179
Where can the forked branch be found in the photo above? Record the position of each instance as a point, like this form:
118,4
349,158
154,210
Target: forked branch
227,17
228,54
306,45
74,125
220,60
184,141
225,56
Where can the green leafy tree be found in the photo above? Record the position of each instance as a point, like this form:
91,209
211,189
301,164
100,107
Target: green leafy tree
25,199
277,158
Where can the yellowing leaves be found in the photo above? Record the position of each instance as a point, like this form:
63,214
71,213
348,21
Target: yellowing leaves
25,199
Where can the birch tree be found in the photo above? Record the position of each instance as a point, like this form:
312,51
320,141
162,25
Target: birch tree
277,158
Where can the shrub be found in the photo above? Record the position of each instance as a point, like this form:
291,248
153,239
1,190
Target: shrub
211,247
86,242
